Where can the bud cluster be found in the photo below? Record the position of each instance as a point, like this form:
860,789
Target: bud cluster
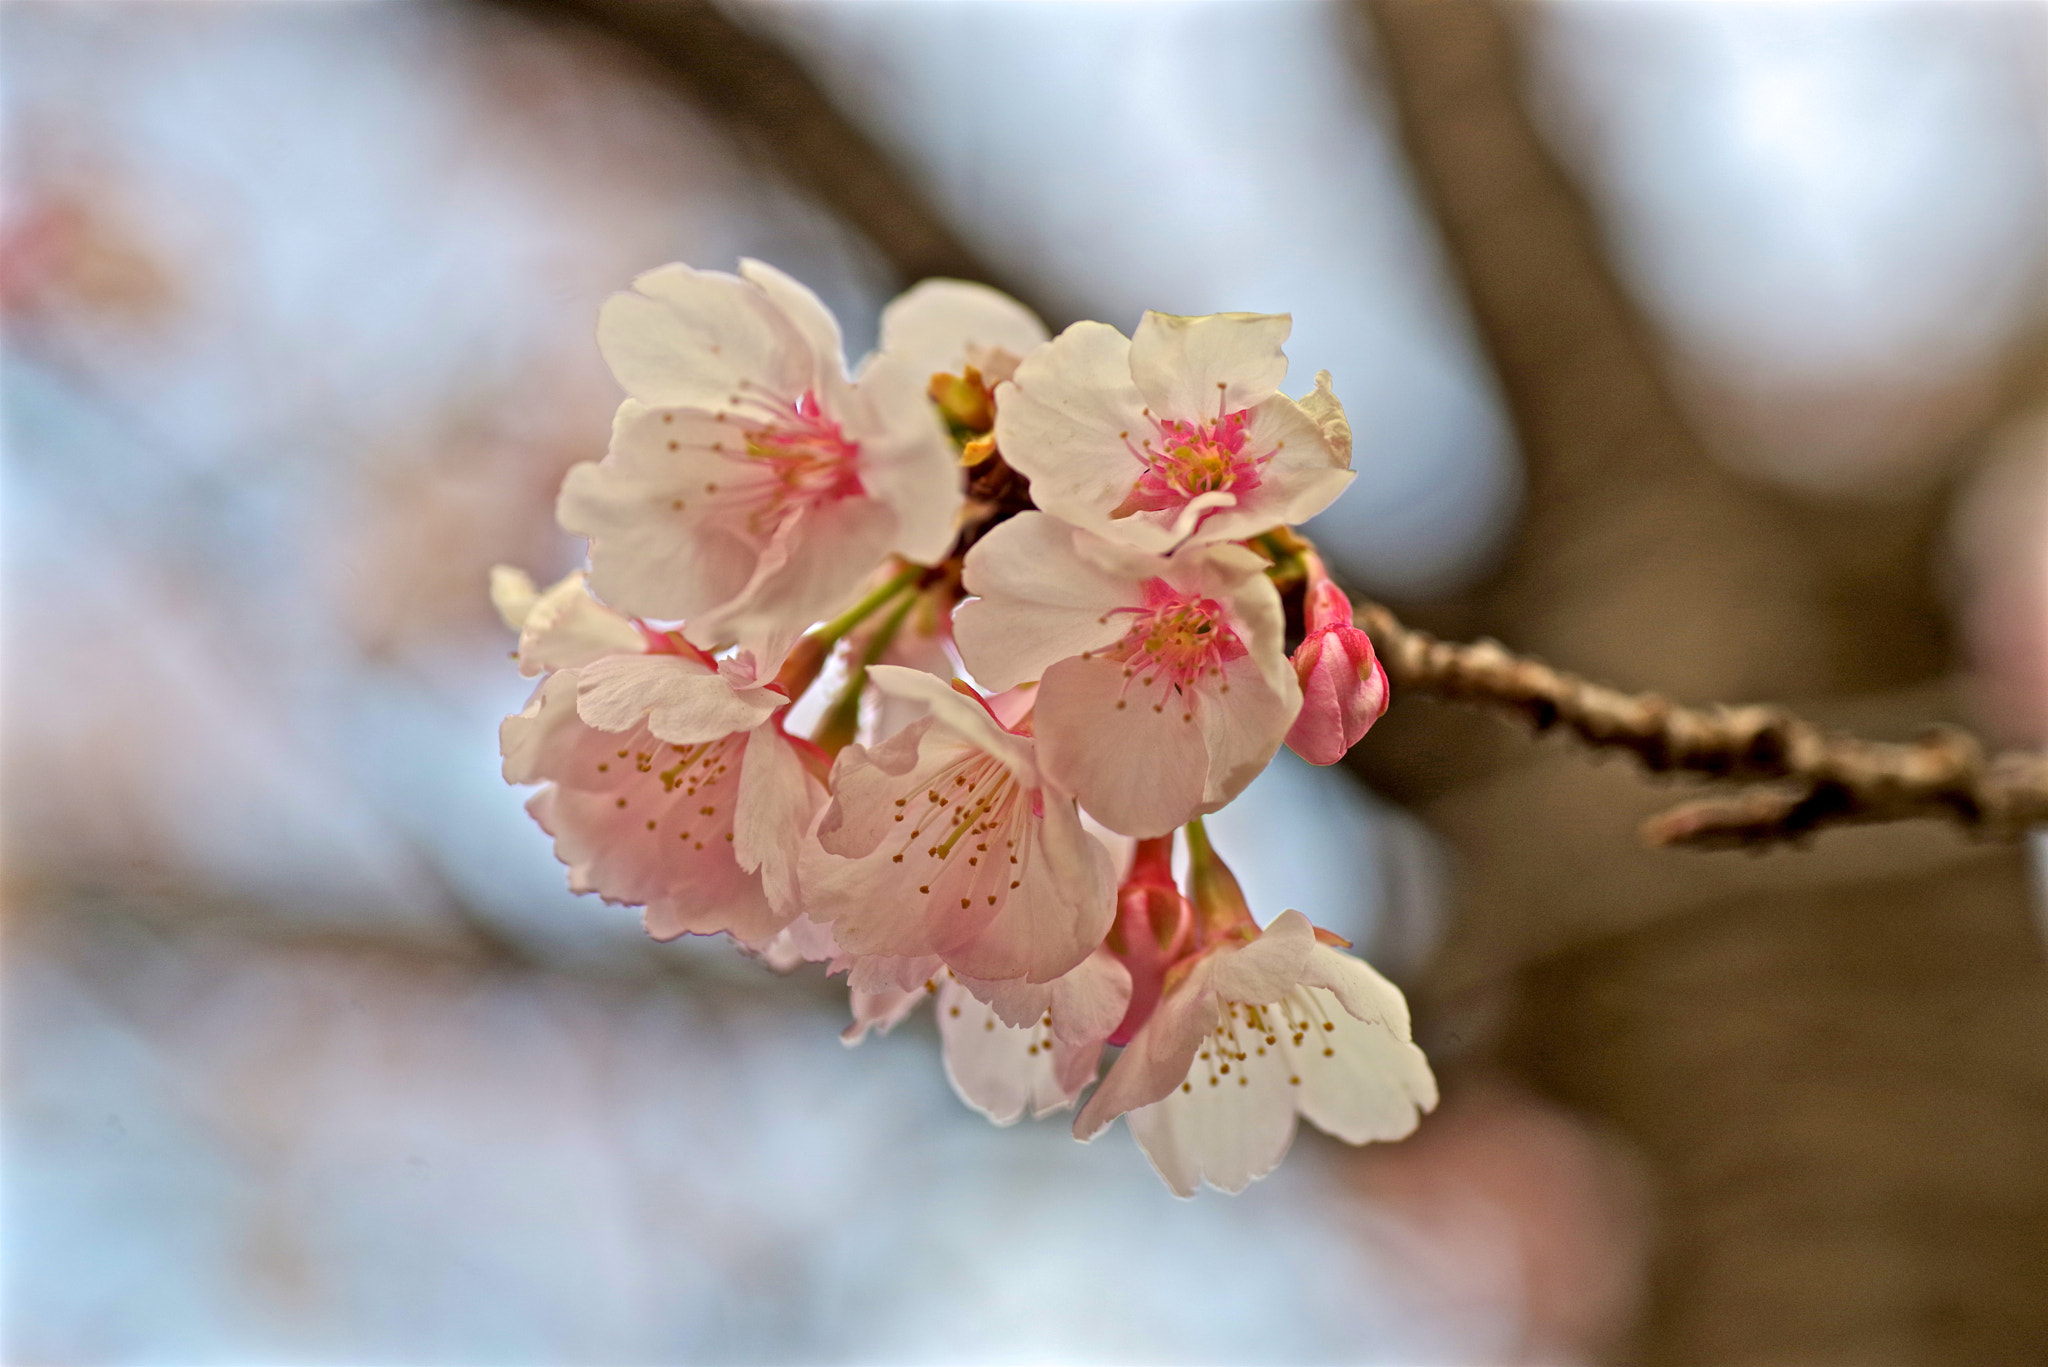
1032,596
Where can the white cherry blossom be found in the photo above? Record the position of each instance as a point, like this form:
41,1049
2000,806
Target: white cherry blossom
1252,1036
946,839
1178,433
669,785
1163,680
751,484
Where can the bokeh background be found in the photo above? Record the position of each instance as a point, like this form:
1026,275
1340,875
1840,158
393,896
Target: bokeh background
1696,346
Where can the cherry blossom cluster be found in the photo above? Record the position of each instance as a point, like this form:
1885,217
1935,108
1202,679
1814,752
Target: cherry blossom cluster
921,670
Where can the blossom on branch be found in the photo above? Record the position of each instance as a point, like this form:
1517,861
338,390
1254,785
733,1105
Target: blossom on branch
1096,531
948,839
1178,433
1163,682
752,484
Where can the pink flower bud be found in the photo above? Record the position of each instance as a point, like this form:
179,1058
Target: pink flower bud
1343,687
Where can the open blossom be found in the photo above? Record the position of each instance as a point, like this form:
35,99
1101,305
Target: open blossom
1179,432
668,783
1250,1035
1163,682
751,484
947,839
1343,685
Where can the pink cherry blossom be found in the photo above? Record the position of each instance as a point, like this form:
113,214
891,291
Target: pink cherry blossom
669,785
1163,683
947,839
1343,686
1250,1035
1178,433
751,485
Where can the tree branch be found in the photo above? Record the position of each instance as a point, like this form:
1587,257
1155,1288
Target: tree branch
1814,778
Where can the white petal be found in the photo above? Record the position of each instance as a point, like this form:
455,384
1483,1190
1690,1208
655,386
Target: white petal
1358,986
937,326
682,700
1194,369
690,338
956,712
512,594
1327,414
1127,746
1363,1083
1227,1130
1267,968
908,462
669,513
998,1069
811,319
1065,422
1041,599
566,627
813,566
777,799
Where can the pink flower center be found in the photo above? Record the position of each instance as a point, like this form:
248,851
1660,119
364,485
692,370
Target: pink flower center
1184,460
1182,636
807,460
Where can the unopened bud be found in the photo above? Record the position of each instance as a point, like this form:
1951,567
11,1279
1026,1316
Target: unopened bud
1343,691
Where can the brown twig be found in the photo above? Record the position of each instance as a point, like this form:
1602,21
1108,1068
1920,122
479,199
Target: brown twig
1811,778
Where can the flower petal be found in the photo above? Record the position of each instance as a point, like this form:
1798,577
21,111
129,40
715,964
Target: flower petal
1059,909
681,700
1241,729
1041,600
777,799
566,627
667,511
812,567
999,1069
1227,1130
1124,743
1065,420
1158,1059
691,338
812,321
1198,368
943,326
907,461
957,713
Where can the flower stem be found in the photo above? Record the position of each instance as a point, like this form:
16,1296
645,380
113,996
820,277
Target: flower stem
807,660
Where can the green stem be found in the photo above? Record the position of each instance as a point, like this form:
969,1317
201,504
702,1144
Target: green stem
835,630
807,660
